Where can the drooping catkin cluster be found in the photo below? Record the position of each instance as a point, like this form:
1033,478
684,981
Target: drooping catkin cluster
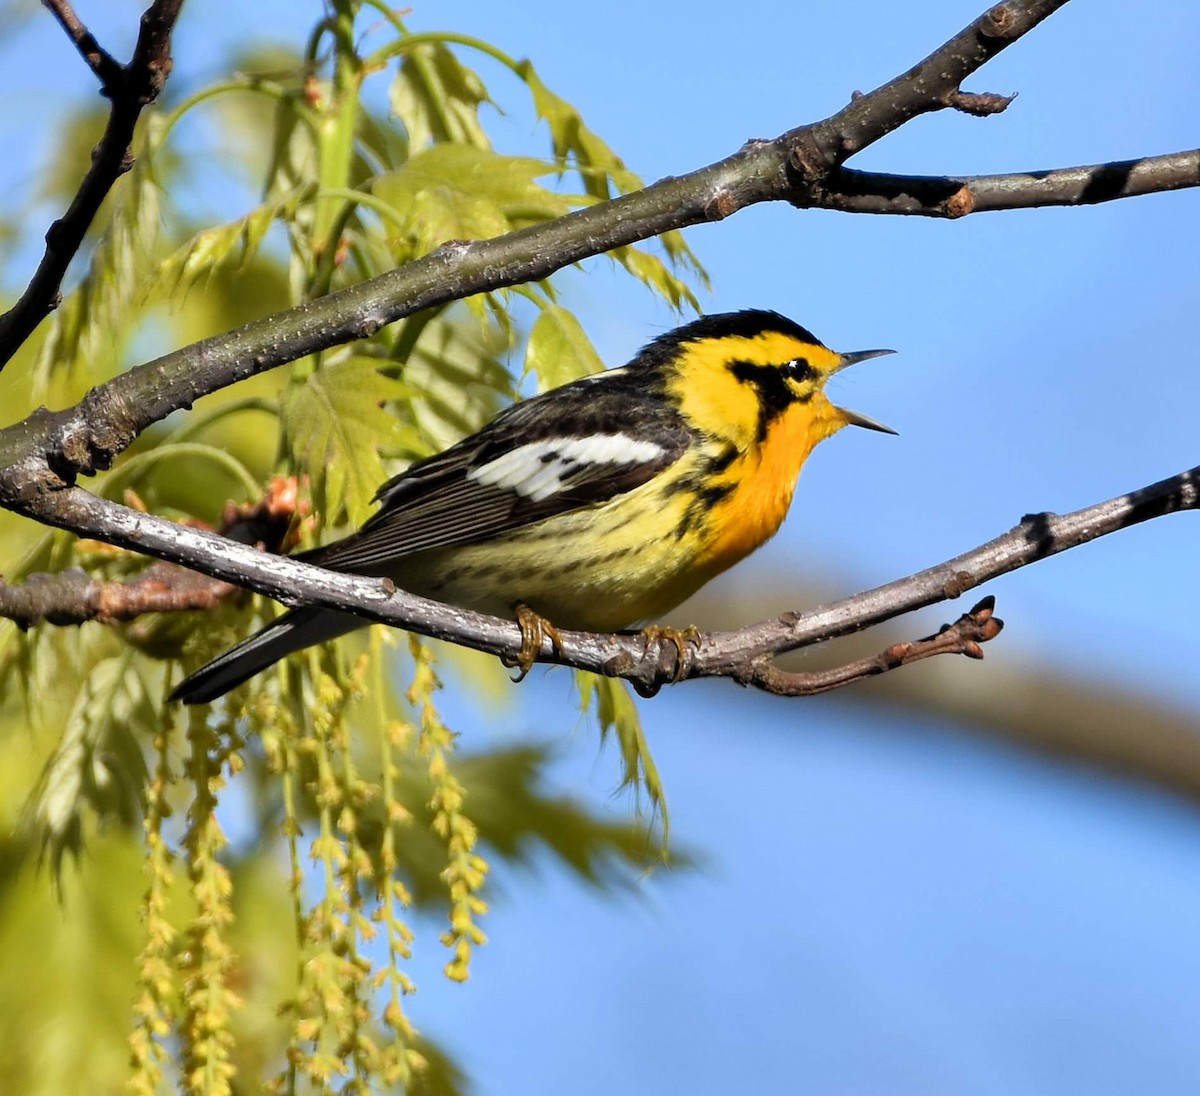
465,870
206,964
345,807
341,1033
154,1004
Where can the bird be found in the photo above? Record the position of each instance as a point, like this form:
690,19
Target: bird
595,506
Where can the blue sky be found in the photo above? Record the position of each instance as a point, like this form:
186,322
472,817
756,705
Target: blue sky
886,906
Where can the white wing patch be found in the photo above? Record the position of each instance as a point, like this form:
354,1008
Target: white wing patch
542,468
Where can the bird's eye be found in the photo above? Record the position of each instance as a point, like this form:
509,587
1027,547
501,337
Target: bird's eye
798,369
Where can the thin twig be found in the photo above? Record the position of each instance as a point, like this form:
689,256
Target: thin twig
106,67
1035,537
130,88
74,597
955,196
963,637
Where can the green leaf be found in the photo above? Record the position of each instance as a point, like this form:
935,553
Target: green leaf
602,171
455,192
616,712
598,165
517,817
334,424
212,247
98,764
559,351
437,99
457,380
653,273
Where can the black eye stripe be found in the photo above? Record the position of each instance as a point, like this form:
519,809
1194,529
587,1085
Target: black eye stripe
775,394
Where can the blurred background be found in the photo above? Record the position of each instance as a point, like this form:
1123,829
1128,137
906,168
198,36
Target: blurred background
889,894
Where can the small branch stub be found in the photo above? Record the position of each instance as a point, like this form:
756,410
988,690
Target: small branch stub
1000,22
980,104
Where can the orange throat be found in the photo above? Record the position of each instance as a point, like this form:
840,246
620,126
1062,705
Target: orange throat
766,476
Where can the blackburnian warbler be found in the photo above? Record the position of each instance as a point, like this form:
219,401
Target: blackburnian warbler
597,505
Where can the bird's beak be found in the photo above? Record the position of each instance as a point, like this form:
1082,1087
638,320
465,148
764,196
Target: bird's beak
853,418
856,356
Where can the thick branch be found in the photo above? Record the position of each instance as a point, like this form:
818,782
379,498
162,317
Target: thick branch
130,88
956,196
90,435
646,663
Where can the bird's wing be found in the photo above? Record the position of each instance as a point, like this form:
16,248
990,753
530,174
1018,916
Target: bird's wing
574,447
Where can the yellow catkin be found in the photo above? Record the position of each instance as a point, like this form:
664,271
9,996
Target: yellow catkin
153,1006
205,1031
465,870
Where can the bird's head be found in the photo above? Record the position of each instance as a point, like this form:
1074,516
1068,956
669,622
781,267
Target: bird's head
738,374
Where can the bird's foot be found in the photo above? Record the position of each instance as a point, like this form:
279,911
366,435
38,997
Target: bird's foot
535,630
682,638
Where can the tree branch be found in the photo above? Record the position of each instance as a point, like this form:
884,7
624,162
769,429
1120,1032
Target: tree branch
955,196
130,88
1035,537
963,637
647,662
74,597
106,67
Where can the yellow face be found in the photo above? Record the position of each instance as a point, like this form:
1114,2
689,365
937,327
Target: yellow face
758,401
739,387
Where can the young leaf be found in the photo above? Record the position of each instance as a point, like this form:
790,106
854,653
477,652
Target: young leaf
559,351
335,422
616,712
437,99
456,379
455,192
211,247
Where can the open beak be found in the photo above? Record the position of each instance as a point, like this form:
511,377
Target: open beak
853,418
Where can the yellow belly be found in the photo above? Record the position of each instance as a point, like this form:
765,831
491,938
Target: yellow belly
600,569
622,563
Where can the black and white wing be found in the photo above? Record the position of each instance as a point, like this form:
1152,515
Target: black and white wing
580,445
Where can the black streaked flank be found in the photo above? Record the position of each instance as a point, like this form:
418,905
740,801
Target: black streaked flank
703,501
718,464
695,481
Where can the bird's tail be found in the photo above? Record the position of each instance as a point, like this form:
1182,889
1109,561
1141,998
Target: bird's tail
295,630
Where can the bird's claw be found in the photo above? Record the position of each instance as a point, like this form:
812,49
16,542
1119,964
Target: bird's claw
682,638
535,629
